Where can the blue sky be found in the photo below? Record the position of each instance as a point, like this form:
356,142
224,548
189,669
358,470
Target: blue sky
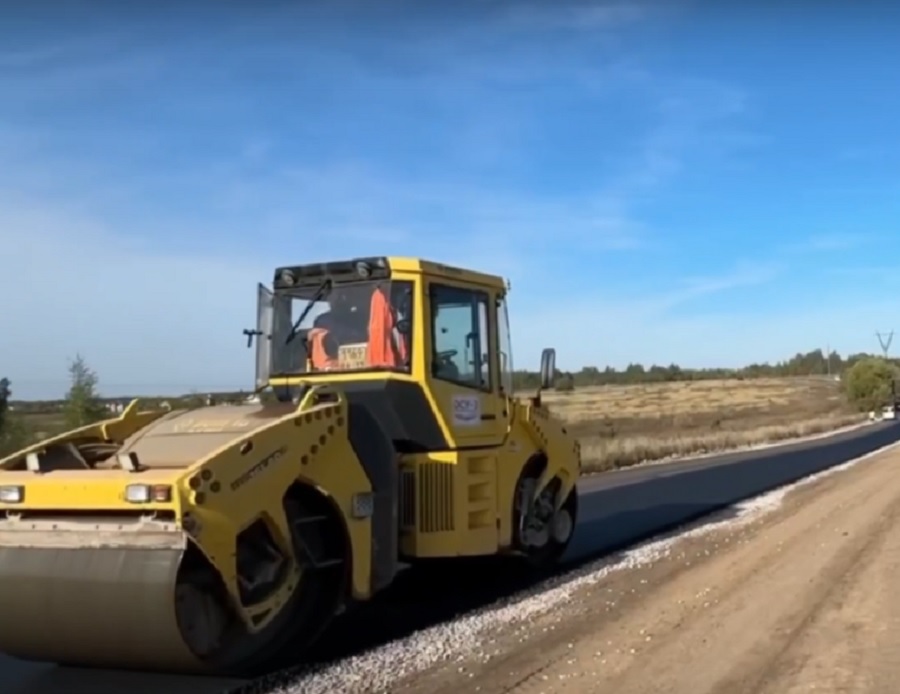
664,182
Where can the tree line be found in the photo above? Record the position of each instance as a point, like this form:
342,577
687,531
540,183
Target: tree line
872,385
814,363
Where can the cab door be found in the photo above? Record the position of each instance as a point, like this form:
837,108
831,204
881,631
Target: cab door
265,315
463,368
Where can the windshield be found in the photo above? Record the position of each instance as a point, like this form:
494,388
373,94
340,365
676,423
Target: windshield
358,326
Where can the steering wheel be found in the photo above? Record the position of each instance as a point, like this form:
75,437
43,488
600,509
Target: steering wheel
447,354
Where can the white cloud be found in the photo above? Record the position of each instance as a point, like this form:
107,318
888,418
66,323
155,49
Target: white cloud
616,328
744,274
611,333
863,154
151,321
15,59
144,319
576,15
833,241
81,68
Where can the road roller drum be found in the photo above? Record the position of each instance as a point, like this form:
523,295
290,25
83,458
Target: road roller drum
95,596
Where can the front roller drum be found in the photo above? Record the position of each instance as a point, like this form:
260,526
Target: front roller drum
70,598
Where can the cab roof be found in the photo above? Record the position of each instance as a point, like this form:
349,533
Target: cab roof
379,266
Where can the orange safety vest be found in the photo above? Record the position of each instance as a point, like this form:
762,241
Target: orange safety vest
386,347
317,354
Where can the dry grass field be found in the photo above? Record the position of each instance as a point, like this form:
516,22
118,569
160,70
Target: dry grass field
43,426
624,425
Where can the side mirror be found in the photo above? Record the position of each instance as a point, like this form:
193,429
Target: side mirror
250,334
404,326
548,367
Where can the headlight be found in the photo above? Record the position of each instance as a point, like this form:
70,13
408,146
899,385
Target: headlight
12,495
145,493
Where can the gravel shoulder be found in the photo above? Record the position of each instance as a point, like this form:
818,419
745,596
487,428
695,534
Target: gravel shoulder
797,600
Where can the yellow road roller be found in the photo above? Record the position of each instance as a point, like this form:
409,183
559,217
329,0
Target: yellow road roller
223,539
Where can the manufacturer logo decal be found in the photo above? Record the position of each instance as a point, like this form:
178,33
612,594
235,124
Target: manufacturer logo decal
466,410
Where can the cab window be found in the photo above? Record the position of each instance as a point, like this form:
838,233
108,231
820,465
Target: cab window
505,343
460,336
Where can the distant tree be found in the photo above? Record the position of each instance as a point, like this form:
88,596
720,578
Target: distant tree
13,432
5,393
82,405
869,383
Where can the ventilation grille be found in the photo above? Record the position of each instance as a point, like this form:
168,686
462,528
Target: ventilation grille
435,497
408,499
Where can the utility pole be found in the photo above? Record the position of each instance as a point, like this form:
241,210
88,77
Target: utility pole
885,341
828,360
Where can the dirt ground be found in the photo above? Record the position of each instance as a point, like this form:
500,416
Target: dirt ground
804,599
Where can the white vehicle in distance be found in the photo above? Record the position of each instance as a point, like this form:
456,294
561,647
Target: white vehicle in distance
887,412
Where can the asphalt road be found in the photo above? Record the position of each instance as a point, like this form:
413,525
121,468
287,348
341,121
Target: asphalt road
616,509
622,507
